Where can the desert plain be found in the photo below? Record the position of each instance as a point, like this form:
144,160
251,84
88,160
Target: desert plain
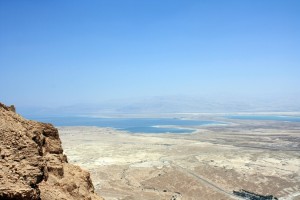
258,156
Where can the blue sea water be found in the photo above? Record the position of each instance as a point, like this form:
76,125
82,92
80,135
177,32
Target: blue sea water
153,125
265,117
133,125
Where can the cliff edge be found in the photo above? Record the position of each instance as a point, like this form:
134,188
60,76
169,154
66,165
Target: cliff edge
32,163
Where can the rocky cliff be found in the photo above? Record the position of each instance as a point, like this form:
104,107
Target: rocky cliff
32,163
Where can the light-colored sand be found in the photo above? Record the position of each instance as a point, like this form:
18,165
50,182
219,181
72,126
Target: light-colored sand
263,158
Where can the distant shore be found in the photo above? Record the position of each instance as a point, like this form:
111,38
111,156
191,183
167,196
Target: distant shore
259,156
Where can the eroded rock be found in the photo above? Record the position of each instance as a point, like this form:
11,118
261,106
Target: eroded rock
32,163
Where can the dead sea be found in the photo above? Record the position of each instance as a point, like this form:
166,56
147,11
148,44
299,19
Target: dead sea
259,156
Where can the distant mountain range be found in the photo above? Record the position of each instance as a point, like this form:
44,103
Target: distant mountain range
167,104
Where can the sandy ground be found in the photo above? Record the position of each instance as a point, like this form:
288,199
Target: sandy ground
262,157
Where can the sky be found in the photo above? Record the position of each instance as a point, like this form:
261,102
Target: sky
69,52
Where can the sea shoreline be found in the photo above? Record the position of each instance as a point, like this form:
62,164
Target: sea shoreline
259,156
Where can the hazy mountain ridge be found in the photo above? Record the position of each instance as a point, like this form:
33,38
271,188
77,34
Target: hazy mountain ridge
167,105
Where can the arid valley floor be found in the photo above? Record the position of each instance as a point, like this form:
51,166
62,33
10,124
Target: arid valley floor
259,156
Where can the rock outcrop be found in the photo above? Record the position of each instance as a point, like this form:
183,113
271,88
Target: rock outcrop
32,163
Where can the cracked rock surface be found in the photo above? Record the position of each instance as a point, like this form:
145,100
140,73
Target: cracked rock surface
32,163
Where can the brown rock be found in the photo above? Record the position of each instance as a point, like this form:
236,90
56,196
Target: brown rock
32,164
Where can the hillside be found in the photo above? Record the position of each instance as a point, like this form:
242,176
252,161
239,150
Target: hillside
32,163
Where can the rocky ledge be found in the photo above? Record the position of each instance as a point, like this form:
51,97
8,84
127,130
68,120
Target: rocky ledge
32,163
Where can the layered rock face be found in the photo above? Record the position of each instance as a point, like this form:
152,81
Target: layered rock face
32,163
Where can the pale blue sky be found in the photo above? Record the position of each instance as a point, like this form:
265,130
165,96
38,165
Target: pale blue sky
67,52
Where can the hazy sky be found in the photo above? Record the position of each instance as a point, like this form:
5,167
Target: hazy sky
66,52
